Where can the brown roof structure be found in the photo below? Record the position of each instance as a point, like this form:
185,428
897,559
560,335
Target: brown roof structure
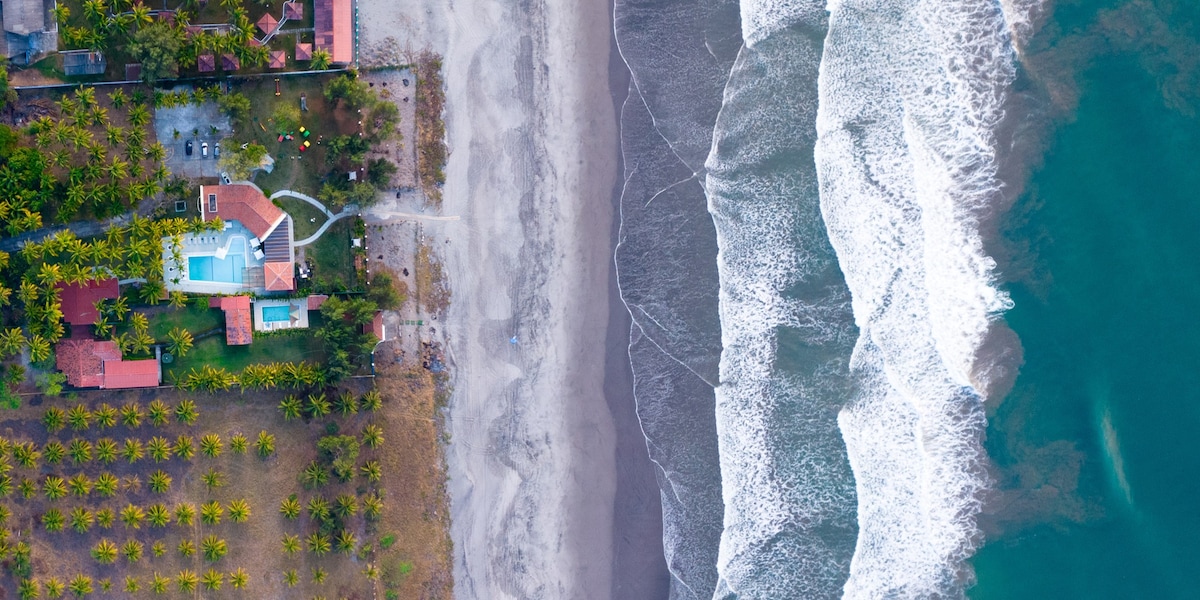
267,24
239,327
316,300
293,10
79,300
280,276
277,59
334,28
303,51
206,63
230,62
243,203
375,327
91,363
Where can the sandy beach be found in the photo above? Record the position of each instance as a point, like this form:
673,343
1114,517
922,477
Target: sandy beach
532,136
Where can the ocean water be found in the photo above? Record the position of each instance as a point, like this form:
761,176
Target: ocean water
910,283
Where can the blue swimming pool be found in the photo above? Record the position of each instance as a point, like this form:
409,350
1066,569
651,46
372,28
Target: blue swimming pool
209,268
275,314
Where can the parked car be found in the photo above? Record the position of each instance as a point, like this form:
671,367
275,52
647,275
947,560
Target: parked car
187,148
204,149
217,150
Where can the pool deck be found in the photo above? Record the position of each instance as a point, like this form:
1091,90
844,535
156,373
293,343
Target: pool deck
217,245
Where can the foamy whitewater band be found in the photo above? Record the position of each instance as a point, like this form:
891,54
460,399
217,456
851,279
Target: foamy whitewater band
912,96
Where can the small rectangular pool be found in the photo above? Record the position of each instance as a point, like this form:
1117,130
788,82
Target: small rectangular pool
275,314
210,268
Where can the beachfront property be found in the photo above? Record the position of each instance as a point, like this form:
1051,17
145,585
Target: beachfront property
254,253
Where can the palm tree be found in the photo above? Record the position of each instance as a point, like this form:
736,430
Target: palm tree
239,511
106,451
185,512
54,419
346,542
372,471
11,341
131,415
132,550
213,548
159,413
106,416
238,443
105,552
212,580
320,60
318,509
372,401
177,298
53,521
290,578
213,479
372,436
238,578
159,584
141,14
184,447
118,98
54,587
158,515
187,581
80,450
106,485
291,544
54,487
265,444
133,450
158,549
318,575
61,13
160,482
79,418
29,589
132,516
211,513
186,548
347,404
159,449
81,519
372,506
210,445
80,485
345,506
290,507
39,348
81,585
186,412
26,454
318,544
314,475
318,405
105,518
132,585
290,406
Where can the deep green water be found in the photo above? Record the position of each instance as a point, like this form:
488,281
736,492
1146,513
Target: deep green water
1108,318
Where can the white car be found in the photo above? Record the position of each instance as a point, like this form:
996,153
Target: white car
204,149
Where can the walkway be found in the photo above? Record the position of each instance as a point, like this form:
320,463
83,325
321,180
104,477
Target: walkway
349,212
304,197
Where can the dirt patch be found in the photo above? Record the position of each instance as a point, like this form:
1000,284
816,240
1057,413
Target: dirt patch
397,86
431,128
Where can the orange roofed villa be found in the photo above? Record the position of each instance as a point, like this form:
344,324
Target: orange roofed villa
254,253
88,362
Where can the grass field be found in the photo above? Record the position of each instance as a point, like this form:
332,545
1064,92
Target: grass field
333,264
194,319
305,217
289,347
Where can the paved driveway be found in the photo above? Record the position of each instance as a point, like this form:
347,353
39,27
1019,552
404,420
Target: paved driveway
188,119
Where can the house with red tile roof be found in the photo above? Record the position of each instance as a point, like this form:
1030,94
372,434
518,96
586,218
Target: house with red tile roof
89,363
243,203
280,276
239,326
333,21
79,300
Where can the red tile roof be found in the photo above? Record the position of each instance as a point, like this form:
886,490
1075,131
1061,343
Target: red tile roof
280,276
79,301
123,374
376,326
277,59
303,51
267,23
230,62
293,10
316,300
91,363
239,328
206,63
333,21
244,204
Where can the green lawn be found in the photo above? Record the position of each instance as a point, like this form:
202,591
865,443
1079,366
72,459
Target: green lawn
290,347
294,170
194,319
333,263
302,212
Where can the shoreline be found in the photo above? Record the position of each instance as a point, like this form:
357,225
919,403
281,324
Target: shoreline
552,492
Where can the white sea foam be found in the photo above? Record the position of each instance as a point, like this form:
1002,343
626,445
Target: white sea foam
912,96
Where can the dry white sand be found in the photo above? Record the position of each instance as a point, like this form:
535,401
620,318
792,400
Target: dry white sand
532,134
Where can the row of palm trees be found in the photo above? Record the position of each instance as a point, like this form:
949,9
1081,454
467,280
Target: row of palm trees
81,519
186,581
256,376
131,415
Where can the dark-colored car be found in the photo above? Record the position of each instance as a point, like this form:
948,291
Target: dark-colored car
187,148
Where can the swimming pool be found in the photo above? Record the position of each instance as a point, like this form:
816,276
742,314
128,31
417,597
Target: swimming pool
210,268
275,314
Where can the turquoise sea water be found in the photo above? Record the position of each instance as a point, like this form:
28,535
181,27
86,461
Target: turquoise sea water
1100,433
